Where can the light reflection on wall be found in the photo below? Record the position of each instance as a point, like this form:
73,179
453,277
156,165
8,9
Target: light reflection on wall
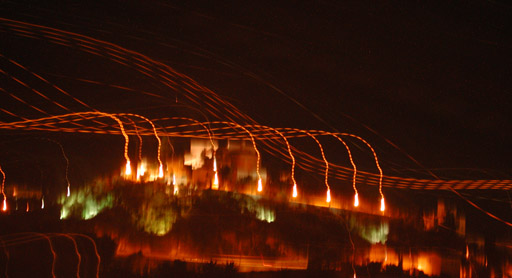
260,211
156,216
372,232
429,262
85,203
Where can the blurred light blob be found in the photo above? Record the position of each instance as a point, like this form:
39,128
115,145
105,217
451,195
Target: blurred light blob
85,204
128,170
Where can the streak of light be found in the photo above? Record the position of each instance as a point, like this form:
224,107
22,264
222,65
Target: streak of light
382,205
68,193
28,207
128,170
356,196
215,184
294,190
52,251
175,186
42,202
95,251
161,171
353,249
79,257
258,161
4,206
215,181
481,209
328,199
160,168
139,170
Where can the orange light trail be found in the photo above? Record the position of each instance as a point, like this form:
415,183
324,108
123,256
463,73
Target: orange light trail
382,203
140,171
356,195
52,251
328,199
215,184
160,168
260,184
79,257
67,169
95,251
4,205
294,189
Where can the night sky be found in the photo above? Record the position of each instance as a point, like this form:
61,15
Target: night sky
432,77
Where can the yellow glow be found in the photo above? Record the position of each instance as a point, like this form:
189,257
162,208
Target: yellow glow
215,181
161,171
382,205
294,191
128,170
4,207
260,185
214,164
328,196
356,200
174,179
141,170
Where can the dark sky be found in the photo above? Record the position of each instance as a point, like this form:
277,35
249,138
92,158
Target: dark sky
433,77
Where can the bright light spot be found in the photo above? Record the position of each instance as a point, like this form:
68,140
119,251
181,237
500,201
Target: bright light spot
161,171
294,195
141,170
69,192
174,184
28,207
4,207
214,164
264,214
42,203
467,252
260,185
85,204
356,200
215,181
382,205
128,170
64,213
328,196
